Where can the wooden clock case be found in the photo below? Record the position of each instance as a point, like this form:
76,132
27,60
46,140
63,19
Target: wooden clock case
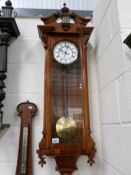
50,33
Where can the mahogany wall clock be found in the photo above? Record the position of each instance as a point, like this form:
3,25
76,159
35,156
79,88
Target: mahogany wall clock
66,133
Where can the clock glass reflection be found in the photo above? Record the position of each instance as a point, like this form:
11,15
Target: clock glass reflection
67,120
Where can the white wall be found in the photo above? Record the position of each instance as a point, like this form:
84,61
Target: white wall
25,81
112,22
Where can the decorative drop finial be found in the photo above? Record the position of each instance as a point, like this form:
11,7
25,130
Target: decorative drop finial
64,4
65,9
8,3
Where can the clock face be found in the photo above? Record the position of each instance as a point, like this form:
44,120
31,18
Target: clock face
65,52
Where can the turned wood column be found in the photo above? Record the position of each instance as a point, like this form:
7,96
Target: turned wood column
4,39
8,29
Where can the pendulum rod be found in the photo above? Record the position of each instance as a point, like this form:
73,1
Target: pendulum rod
65,111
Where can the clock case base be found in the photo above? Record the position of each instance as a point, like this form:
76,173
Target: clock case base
66,165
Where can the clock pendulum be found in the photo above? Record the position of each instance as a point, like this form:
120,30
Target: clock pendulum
66,126
26,111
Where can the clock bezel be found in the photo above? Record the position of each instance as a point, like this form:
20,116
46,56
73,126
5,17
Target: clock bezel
66,40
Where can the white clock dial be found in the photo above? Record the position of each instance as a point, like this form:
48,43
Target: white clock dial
65,52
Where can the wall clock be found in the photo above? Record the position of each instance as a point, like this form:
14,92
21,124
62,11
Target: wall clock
66,133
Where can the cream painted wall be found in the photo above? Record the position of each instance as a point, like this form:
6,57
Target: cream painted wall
112,22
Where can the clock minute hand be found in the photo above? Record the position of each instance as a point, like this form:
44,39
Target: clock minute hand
62,52
66,53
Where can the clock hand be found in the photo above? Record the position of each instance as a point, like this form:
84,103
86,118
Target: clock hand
66,51
63,52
